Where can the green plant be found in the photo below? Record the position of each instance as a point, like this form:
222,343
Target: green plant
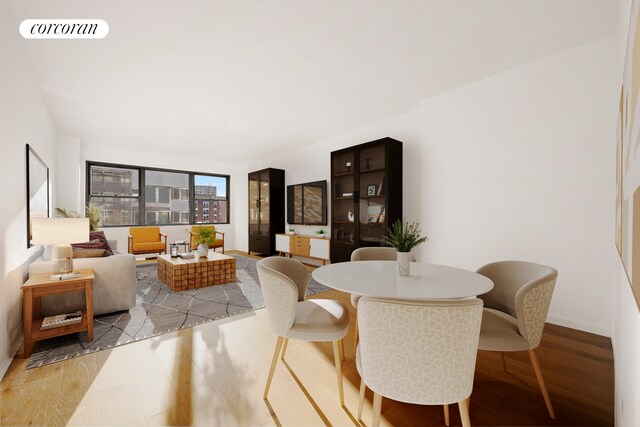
321,232
203,235
94,212
404,236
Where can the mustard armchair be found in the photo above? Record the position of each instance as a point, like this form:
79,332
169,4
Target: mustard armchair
146,240
217,243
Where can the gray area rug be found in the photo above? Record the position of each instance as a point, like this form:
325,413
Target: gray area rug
158,310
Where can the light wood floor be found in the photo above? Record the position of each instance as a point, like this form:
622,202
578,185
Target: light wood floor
214,374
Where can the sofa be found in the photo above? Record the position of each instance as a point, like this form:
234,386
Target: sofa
114,286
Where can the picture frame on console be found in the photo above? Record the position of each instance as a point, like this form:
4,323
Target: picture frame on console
37,189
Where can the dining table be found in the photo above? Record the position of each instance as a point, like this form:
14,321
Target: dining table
381,279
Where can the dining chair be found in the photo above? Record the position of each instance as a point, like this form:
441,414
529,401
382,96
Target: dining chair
371,254
284,286
420,352
516,310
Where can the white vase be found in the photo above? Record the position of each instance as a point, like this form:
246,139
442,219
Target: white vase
203,250
404,262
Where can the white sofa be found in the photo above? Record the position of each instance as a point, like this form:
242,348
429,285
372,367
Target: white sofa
114,287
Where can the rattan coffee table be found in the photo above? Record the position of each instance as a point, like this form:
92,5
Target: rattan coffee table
183,274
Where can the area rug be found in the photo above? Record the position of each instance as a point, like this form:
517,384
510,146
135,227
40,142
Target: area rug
158,310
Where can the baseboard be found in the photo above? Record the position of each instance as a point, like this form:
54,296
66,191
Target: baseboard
581,326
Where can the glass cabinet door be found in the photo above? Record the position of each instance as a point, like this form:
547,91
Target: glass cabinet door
344,196
372,188
264,204
254,205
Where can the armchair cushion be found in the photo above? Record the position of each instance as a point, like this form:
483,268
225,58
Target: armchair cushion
499,332
151,246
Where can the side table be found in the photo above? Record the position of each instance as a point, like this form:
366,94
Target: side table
40,285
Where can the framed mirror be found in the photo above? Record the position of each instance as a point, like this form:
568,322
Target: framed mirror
37,189
307,203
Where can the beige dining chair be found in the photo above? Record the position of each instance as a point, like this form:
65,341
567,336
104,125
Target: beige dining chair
371,254
516,310
284,286
420,352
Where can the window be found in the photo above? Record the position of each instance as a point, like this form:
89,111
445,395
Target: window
211,192
133,195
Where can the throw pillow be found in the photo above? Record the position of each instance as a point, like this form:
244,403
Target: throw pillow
88,253
97,240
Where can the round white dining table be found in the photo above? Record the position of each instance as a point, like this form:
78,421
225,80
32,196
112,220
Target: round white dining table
381,279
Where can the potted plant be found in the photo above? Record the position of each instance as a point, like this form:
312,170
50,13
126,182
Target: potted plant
203,236
321,233
404,236
290,230
94,212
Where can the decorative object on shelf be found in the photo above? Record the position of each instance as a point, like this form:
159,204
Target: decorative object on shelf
348,165
404,236
94,212
350,216
290,230
203,236
321,233
347,194
60,232
371,190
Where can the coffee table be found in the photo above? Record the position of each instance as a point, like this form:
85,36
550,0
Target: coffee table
184,274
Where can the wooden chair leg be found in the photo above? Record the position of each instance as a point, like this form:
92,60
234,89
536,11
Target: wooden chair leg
356,338
504,362
543,387
377,409
284,348
338,362
446,415
273,366
363,387
464,413
341,342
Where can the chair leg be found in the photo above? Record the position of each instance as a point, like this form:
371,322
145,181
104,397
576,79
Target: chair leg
284,348
543,387
336,357
273,366
363,387
355,340
446,415
341,342
464,413
504,362
377,409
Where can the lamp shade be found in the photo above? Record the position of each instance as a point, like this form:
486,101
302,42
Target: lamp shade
55,231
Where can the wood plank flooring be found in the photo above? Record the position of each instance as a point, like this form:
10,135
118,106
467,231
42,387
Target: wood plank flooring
214,374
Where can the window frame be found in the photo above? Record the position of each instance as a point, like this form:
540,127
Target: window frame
142,210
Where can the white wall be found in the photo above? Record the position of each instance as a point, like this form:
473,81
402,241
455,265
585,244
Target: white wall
625,332
23,119
516,166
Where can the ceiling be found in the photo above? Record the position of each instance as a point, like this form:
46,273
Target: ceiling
238,80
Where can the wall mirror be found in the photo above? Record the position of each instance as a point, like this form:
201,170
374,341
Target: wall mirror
37,189
307,203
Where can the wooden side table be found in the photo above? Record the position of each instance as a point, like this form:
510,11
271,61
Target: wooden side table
40,285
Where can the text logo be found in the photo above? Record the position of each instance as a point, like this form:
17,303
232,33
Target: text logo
64,29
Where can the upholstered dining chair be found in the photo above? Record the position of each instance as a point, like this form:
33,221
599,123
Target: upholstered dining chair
371,254
284,285
516,310
420,352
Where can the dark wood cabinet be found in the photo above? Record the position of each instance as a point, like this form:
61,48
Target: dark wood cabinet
266,209
366,195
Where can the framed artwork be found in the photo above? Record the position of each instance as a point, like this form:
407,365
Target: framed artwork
37,189
628,146
371,190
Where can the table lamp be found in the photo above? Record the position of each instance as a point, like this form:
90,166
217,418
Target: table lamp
60,232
